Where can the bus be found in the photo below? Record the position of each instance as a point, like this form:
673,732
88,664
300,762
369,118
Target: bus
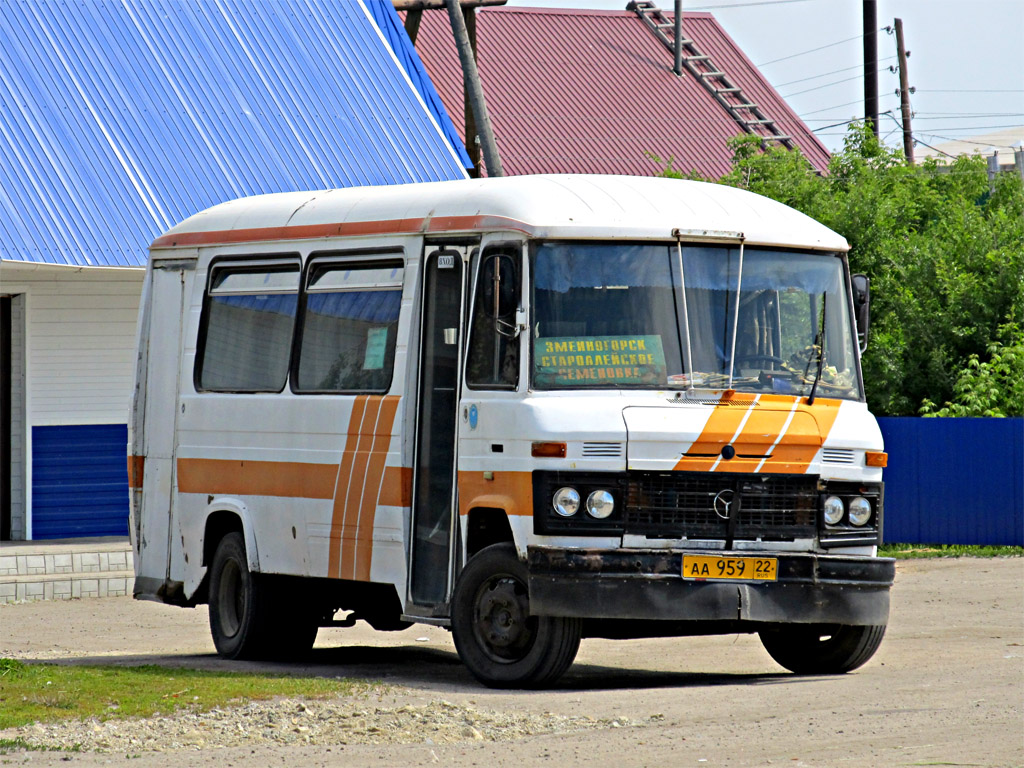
530,410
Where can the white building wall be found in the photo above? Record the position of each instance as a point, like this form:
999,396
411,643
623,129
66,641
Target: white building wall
81,343
78,327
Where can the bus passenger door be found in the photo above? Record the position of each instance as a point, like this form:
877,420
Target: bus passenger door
440,360
155,414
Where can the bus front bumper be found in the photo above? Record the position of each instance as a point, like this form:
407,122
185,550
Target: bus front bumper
649,584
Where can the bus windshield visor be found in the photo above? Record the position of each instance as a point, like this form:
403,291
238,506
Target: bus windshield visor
612,315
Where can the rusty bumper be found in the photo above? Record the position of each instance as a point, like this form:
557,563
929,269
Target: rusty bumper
648,585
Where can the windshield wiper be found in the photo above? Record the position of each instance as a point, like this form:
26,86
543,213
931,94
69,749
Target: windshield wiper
821,351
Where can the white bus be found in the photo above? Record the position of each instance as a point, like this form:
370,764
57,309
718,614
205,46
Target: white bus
528,409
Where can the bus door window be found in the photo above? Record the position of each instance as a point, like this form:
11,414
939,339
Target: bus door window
493,356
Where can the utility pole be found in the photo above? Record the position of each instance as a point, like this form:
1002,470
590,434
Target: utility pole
472,144
678,68
871,64
902,53
471,77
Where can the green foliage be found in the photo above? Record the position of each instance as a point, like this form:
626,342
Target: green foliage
945,253
993,388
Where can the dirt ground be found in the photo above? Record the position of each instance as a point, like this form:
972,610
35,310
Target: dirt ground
946,687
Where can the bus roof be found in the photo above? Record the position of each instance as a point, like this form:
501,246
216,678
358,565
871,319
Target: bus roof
550,206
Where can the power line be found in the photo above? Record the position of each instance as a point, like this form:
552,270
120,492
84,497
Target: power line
964,116
971,90
936,149
968,141
846,122
971,127
825,74
975,114
834,106
828,85
812,50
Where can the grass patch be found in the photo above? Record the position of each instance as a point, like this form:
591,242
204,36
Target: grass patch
909,551
48,693
7,746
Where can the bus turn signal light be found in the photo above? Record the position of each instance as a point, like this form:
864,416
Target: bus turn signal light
548,450
876,458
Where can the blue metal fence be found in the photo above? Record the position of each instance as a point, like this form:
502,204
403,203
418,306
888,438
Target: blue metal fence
954,481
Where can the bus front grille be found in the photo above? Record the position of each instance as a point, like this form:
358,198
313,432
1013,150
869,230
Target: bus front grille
721,506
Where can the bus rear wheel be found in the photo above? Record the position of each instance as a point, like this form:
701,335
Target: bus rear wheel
496,637
250,617
816,649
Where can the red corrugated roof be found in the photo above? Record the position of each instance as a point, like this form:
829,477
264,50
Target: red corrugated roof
572,91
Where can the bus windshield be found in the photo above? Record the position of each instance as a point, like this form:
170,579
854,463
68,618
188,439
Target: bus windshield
615,315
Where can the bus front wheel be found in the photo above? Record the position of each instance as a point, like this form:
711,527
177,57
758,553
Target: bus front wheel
496,637
815,649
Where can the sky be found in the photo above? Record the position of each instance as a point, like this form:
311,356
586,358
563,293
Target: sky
966,60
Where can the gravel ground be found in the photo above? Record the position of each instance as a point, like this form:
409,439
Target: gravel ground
294,722
946,688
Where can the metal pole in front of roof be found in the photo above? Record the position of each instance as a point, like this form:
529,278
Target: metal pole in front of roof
471,76
678,68
871,64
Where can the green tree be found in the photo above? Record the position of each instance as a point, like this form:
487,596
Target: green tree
943,248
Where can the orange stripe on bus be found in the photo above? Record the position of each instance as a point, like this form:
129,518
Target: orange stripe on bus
372,489
341,229
342,482
136,467
799,445
719,430
396,489
256,478
510,491
792,454
357,485
759,433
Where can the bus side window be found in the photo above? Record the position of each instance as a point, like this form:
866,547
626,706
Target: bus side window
245,335
493,358
349,327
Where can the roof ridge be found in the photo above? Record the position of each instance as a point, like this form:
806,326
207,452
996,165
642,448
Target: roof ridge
530,10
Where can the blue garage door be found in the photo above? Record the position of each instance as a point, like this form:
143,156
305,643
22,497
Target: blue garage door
79,481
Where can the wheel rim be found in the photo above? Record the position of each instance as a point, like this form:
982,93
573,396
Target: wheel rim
230,599
502,623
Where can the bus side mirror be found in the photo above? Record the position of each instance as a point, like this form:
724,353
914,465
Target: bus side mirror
862,307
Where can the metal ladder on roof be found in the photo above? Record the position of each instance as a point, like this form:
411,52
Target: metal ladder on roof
749,115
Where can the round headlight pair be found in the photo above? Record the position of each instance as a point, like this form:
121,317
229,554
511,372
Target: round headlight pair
566,501
860,510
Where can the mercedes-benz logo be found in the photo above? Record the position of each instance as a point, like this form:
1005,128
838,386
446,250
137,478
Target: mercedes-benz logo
723,503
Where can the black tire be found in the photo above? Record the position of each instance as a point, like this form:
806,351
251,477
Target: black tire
495,635
816,649
249,617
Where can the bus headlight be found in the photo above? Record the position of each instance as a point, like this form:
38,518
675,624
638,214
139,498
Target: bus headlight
834,510
860,510
600,504
566,501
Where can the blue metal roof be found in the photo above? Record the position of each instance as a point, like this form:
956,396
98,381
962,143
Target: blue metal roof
119,119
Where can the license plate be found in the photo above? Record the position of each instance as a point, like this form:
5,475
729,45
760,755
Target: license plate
712,567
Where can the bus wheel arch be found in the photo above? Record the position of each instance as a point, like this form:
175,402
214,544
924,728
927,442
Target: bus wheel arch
226,516
496,637
486,526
